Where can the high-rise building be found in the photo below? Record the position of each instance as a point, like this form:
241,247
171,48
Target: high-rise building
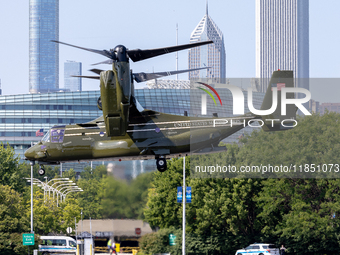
72,83
210,55
43,54
282,38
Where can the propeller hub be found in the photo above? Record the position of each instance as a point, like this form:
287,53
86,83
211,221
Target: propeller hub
120,53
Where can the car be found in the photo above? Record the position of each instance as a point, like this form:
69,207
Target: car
259,249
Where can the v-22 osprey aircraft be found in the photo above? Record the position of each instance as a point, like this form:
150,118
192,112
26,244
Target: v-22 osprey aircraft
126,131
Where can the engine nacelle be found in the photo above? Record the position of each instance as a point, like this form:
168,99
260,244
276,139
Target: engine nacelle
115,91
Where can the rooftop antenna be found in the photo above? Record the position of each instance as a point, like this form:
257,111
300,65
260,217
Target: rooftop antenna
206,10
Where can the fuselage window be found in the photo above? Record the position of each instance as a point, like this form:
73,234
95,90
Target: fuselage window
57,135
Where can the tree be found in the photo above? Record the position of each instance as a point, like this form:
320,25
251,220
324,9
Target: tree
97,173
46,214
138,190
69,210
162,210
301,213
222,215
13,221
10,169
90,199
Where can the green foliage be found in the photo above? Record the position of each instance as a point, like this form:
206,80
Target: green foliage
13,221
162,209
107,197
125,200
50,218
90,198
10,169
227,214
299,213
98,173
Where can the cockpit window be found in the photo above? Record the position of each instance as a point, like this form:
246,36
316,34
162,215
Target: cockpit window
46,137
57,135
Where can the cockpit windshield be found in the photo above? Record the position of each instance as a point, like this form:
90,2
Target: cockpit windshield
46,137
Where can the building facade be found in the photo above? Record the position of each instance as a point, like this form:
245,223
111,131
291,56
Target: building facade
282,39
210,55
330,107
43,54
72,83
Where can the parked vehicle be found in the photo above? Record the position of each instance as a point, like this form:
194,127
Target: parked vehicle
57,245
259,249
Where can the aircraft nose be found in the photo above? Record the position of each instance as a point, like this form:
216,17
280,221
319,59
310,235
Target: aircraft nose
30,153
36,152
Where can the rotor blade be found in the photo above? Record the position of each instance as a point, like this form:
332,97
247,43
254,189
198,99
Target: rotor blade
138,54
141,77
109,61
89,77
101,52
97,71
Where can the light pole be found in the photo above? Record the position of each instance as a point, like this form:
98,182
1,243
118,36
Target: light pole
184,198
32,164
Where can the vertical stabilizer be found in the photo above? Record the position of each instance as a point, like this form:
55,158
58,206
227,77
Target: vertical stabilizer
273,121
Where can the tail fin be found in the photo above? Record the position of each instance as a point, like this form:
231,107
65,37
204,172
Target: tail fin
273,122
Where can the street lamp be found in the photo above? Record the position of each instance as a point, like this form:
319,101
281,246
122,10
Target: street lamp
75,189
61,185
58,182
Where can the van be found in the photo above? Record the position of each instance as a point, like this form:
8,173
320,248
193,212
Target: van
57,244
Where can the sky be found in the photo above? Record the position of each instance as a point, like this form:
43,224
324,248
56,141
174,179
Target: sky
148,24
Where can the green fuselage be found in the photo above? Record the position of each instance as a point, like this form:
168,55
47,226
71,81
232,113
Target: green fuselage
152,133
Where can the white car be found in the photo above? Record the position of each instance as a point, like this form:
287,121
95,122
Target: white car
259,249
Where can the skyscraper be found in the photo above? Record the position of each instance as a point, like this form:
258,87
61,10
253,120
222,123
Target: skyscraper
43,54
72,83
212,55
282,38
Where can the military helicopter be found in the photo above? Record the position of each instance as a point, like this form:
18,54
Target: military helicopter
126,131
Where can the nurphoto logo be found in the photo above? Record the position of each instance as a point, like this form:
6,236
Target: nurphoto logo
238,99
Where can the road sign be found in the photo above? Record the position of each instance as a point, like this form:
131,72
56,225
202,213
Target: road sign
28,239
138,231
172,239
179,194
188,194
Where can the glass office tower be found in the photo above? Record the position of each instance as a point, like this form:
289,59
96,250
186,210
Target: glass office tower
43,54
212,55
72,83
282,39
